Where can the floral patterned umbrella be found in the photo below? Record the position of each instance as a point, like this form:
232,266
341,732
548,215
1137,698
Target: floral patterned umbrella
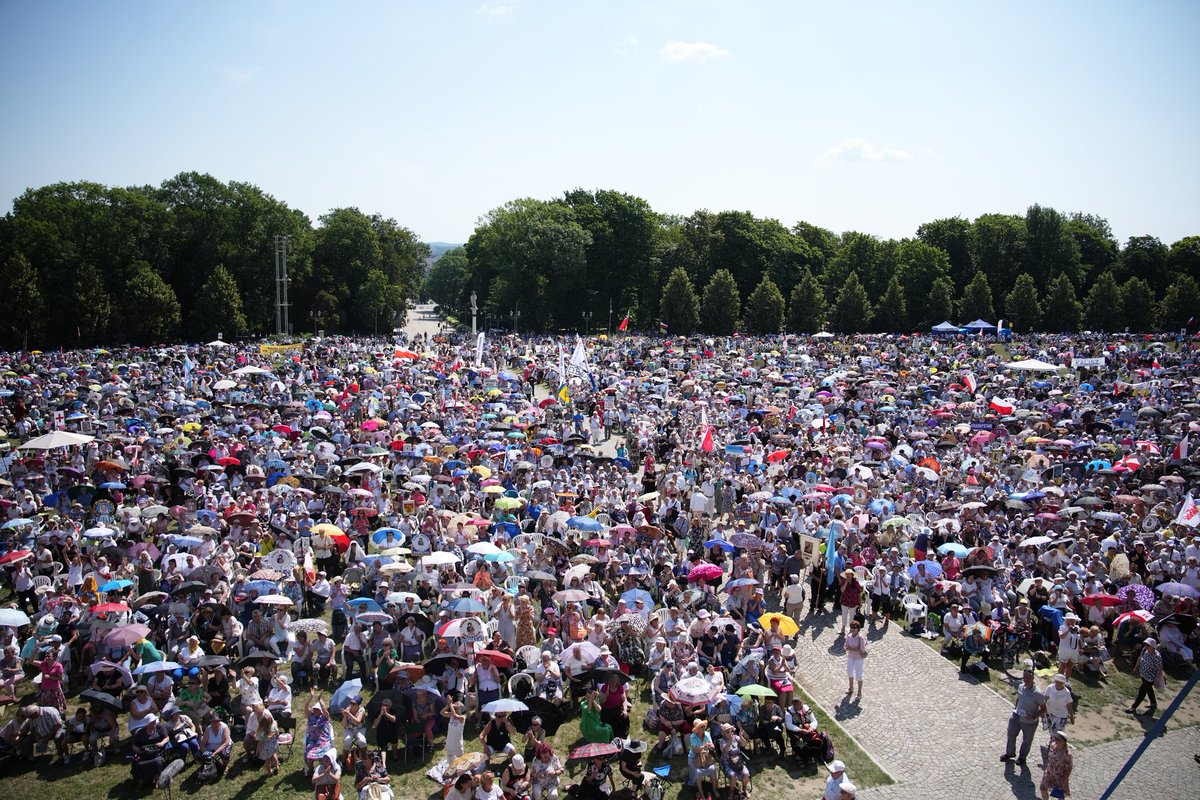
1141,595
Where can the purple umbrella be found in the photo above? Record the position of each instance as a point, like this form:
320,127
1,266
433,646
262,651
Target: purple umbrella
1177,589
1141,595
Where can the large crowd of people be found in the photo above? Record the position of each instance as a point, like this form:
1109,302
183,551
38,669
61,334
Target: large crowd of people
372,551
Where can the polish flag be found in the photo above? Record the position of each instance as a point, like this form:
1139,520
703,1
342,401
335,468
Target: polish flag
1189,515
706,433
971,383
1002,406
1180,453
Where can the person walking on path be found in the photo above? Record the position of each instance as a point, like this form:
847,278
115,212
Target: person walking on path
1029,708
1057,775
856,653
1149,668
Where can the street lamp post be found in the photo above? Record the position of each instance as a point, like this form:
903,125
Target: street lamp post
516,318
609,316
474,311
587,318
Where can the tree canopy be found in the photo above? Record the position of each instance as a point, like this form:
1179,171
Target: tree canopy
88,264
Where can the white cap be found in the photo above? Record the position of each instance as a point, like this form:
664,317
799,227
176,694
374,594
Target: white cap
836,766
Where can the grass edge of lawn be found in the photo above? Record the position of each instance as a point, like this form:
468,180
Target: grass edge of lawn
859,762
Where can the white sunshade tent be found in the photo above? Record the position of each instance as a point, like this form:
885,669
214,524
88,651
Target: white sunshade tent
251,370
1032,365
54,439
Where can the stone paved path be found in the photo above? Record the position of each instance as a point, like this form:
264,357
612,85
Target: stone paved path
939,735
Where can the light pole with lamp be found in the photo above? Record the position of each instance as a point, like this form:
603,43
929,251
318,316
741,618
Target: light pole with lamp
516,318
474,311
587,318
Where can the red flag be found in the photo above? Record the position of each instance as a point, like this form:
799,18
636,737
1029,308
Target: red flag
1002,406
706,434
624,324
971,383
1181,450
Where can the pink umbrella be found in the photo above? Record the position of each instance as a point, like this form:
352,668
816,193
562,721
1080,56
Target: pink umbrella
705,572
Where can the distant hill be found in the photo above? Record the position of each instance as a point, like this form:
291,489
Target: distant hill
438,248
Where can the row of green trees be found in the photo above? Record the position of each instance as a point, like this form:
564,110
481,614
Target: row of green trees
86,264
566,261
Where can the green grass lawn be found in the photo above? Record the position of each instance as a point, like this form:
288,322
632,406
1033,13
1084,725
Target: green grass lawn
48,779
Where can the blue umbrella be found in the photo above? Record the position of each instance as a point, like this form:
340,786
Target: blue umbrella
361,604
932,568
467,605
842,499
341,698
380,536
186,541
959,550
262,587
881,507
734,584
584,524
726,546
1099,463
156,666
112,485
116,586
206,516
633,595
16,523
503,557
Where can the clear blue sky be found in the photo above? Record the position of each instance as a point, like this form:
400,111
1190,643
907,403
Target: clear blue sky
871,116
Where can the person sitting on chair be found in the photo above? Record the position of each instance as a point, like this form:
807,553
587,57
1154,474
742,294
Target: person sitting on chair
629,762
974,645
801,725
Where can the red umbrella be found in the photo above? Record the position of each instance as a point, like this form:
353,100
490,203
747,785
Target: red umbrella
597,543
778,455
595,750
109,608
229,461
1106,600
14,557
1141,614
501,660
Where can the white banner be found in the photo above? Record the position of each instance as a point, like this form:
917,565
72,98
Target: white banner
1079,363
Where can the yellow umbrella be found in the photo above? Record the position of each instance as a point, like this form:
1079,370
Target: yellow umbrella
192,426
328,529
508,502
493,490
787,625
482,471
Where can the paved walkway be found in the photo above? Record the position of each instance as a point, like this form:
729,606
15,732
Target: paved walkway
939,735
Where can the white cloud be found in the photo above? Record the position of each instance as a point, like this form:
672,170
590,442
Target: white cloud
864,151
676,52
631,39
240,74
495,9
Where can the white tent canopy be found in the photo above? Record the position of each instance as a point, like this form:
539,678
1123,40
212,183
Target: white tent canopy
218,343
55,439
1032,365
251,370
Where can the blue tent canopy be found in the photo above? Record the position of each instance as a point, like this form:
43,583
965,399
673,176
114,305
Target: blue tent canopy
980,325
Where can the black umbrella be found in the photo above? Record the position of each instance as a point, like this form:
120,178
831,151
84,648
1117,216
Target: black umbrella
256,656
980,569
103,698
423,622
438,664
1185,622
599,676
218,608
189,587
401,705
213,661
550,714
538,575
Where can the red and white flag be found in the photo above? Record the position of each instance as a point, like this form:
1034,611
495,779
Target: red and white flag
1189,515
1002,406
1180,453
624,326
706,433
971,383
